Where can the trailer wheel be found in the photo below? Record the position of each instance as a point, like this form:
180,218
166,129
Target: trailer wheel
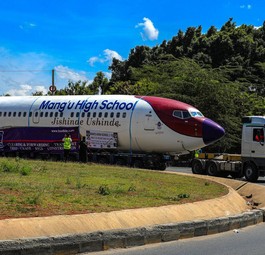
251,172
212,169
121,162
138,164
103,160
196,167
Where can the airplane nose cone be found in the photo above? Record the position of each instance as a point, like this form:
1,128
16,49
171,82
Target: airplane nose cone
211,131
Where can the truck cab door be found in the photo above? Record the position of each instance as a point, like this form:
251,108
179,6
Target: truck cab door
258,148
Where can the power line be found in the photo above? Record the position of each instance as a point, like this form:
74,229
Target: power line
21,71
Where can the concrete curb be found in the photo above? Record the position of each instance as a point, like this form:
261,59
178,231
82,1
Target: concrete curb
99,241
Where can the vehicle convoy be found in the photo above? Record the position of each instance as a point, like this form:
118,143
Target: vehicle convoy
251,162
142,131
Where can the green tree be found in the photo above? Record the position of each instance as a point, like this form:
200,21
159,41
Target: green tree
100,83
75,88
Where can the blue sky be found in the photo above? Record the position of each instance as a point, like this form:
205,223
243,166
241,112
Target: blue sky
78,38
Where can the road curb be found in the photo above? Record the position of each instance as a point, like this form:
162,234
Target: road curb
124,238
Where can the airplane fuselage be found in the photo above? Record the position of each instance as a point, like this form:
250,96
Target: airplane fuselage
142,123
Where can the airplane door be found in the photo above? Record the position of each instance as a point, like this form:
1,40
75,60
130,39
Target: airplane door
149,123
36,116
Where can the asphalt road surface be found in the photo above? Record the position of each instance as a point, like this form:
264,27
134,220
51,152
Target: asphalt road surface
261,180
246,241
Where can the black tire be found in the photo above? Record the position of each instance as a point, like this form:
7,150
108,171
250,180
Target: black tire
196,167
120,162
161,166
138,164
212,169
251,172
103,160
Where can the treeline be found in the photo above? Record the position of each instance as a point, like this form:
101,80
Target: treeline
221,72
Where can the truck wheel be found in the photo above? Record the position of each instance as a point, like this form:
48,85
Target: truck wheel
120,162
251,172
196,167
212,169
138,164
161,166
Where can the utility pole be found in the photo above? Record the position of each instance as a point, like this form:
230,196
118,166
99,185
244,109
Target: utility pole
52,88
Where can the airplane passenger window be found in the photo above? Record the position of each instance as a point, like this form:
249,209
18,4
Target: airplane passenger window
9,114
106,115
61,114
83,115
30,114
94,114
0,114
19,114
41,114
100,115
24,114
46,114
14,114
72,114
124,115
112,114
51,114
77,115
88,114
56,114
118,114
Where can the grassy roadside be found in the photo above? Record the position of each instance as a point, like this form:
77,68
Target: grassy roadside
41,188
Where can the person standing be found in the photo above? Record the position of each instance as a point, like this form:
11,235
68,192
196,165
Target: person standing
67,143
83,150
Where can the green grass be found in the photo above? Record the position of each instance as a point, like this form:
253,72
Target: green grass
41,188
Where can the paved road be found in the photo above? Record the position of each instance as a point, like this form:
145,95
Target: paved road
187,170
248,241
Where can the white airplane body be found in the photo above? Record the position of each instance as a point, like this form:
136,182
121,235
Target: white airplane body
142,123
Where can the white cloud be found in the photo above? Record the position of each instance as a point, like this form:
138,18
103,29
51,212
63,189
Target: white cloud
65,72
25,90
27,26
108,57
93,60
248,6
110,54
21,73
150,32
27,73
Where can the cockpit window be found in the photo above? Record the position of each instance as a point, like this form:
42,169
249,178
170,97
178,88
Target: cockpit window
196,114
181,114
186,114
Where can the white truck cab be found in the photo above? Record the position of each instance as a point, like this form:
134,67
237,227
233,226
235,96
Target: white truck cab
250,163
252,147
